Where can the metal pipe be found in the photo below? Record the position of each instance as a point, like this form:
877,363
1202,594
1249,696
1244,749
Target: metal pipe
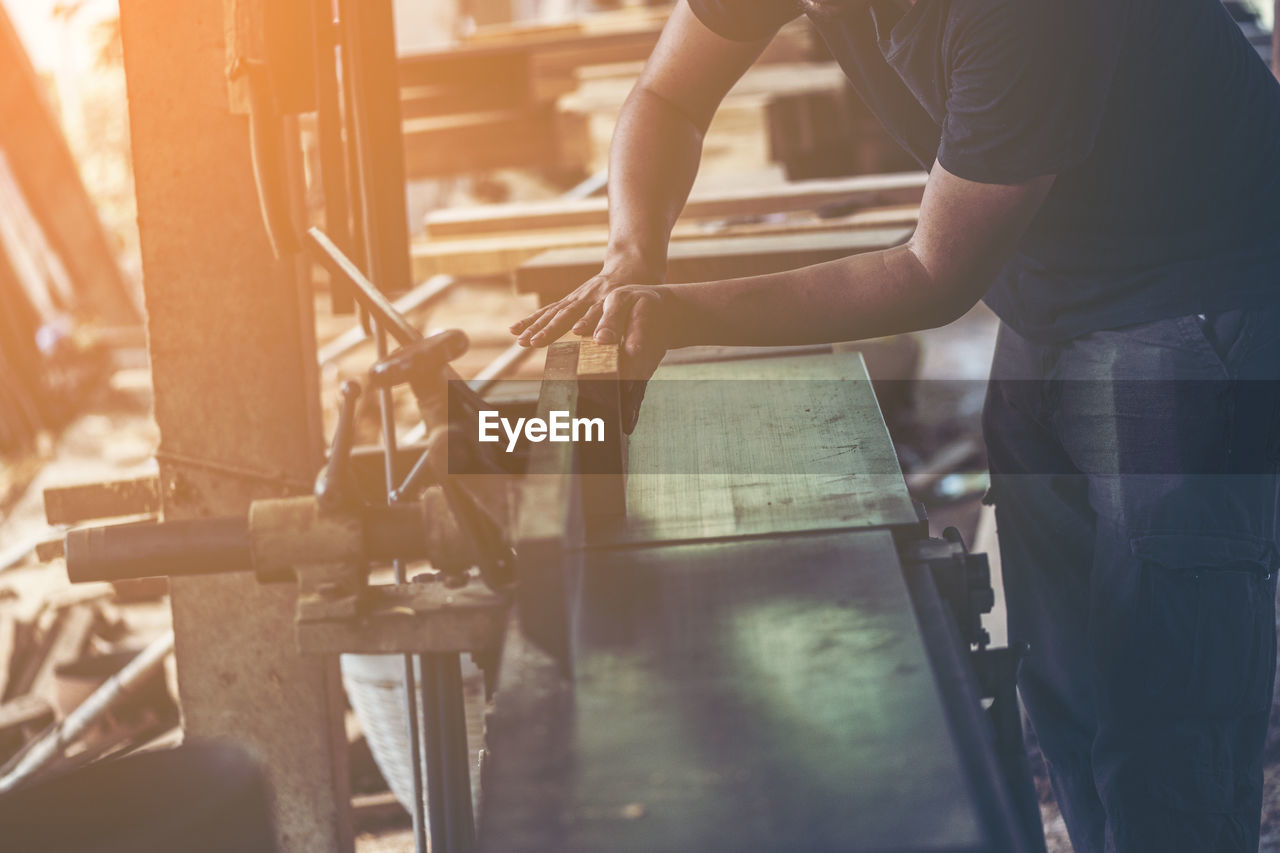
511,358
333,165
197,546
385,317
456,755
433,754
386,410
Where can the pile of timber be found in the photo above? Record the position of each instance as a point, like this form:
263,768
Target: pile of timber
829,132
494,240
52,663
490,102
77,681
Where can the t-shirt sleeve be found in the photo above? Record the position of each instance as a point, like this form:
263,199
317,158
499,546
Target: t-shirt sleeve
744,20
1028,83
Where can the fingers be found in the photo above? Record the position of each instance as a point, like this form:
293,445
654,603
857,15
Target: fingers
553,324
645,343
520,325
640,329
613,317
643,346
589,321
539,323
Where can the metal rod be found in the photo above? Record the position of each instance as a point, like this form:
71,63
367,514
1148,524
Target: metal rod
453,734
369,297
331,485
421,296
511,358
415,479
433,755
385,318
387,411
333,163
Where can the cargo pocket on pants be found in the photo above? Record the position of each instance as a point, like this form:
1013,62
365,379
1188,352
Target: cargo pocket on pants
1204,639
1205,631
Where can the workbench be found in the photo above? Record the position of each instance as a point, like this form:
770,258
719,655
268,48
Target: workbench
746,670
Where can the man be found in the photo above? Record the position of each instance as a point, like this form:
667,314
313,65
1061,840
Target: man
1106,175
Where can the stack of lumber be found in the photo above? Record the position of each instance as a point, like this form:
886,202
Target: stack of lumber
494,240
491,101
829,132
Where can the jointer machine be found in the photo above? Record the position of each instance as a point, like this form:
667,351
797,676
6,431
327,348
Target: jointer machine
729,632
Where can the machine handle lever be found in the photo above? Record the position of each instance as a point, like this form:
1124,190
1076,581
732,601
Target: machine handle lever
331,488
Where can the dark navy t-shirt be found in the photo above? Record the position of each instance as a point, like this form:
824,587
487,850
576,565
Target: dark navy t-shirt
1160,121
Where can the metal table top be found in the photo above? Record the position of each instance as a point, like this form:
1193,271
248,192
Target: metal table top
760,695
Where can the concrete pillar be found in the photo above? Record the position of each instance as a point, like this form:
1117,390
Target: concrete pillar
232,347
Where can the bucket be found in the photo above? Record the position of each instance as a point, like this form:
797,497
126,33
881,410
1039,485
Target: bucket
375,686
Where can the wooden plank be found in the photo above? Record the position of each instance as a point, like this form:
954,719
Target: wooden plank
68,644
553,274
24,711
526,66
826,133
35,645
466,84
370,810
538,137
866,191
92,501
501,254
549,514
46,170
603,465
525,74
558,49
8,646
517,32
764,446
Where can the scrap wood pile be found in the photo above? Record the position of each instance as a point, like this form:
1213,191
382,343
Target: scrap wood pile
78,683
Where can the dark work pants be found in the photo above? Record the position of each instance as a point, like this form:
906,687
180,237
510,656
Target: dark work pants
1134,478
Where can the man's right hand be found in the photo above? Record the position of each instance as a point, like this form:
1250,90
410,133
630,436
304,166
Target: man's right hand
580,310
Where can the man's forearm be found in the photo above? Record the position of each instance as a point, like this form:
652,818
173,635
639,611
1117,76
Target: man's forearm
652,164
864,296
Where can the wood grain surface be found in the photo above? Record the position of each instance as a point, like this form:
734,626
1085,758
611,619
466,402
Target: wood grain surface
761,446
